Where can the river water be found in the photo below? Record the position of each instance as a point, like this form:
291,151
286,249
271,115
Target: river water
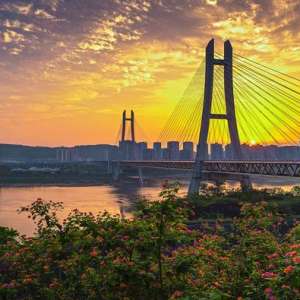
114,199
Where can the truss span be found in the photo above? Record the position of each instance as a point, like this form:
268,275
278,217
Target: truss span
270,168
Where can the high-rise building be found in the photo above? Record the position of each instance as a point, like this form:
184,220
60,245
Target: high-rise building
165,154
228,155
173,149
127,150
205,151
157,151
246,151
288,153
187,152
141,150
148,154
216,152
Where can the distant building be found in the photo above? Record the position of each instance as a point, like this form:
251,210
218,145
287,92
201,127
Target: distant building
288,153
157,151
270,152
165,154
141,151
228,154
63,154
127,150
148,154
95,152
187,152
173,149
216,152
206,156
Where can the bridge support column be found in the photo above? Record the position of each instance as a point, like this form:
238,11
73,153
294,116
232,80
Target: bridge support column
246,184
116,171
109,167
141,181
207,114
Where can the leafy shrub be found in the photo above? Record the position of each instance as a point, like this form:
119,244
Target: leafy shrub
154,255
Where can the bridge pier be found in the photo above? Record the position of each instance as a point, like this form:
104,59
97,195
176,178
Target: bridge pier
116,171
246,184
197,177
109,168
141,181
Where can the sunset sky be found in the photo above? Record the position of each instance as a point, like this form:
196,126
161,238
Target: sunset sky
68,68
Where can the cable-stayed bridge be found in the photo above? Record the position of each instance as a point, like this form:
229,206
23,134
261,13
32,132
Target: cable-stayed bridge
233,101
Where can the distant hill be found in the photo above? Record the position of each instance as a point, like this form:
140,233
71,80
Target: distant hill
21,153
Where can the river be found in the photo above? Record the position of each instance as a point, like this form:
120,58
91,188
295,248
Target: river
114,199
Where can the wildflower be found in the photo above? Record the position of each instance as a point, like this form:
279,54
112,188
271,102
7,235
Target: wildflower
291,254
94,252
268,275
272,256
296,260
271,266
295,246
10,285
27,280
176,294
288,269
268,291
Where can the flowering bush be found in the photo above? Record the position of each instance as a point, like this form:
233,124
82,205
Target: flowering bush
155,255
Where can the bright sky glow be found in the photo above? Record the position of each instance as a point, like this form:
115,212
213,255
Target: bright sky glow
69,68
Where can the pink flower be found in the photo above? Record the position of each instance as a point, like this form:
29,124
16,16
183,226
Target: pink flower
288,269
176,294
296,260
272,256
268,275
268,291
94,252
295,246
291,254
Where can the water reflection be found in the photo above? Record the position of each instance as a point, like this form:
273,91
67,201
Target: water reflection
116,199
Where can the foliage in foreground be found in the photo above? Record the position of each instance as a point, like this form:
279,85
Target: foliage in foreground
155,255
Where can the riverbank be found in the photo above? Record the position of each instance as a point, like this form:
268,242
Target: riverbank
153,255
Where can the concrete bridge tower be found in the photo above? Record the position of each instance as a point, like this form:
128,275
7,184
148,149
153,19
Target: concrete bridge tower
132,130
128,146
207,114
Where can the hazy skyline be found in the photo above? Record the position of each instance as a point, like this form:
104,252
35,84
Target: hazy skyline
69,68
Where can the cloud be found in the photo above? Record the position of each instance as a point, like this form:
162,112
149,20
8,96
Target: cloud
10,36
21,9
83,56
41,13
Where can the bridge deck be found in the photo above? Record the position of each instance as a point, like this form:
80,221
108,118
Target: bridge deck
271,168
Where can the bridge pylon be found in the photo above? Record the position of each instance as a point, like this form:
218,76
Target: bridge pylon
127,144
131,120
207,115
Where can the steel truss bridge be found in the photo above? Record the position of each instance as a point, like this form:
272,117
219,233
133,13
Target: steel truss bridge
269,168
